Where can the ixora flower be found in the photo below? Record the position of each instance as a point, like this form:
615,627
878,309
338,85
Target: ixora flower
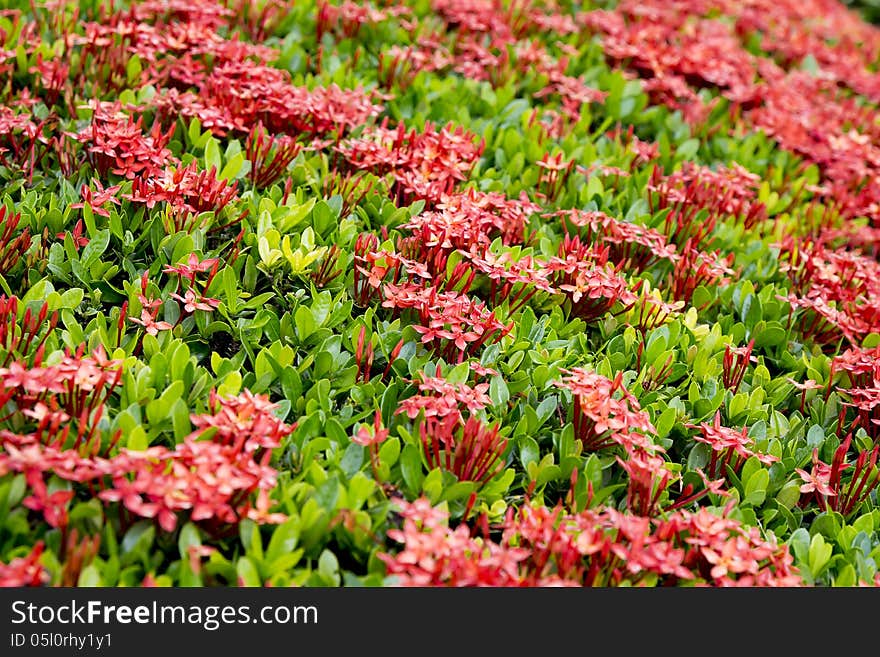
729,447
96,199
592,284
192,267
193,302
25,571
597,547
452,323
828,486
603,285
211,475
368,436
371,437
604,413
148,321
116,142
425,165
631,246
440,399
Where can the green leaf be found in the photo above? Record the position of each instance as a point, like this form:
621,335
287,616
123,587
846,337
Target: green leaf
328,567
189,536
305,323
212,154
389,452
846,577
815,436
498,392
432,485
247,572
284,539
90,577
790,494
233,169
529,452
137,439
699,456
352,459
95,248
327,494
820,553
38,292
139,537
756,488
411,467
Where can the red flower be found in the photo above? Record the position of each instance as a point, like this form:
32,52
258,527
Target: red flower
605,413
368,436
818,479
192,267
25,571
193,302
729,447
443,399
148,321
96,199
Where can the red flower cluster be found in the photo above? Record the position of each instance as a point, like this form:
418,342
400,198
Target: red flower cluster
602,547
238,95
466,447
441,399
722,192
555,172
23,339
116,143
650,312
149,310
631,246
836,291
435,555
572,91
211,475
424,165
187,283
591,283
347,18
373,269
187,192
828,486
841,43
862,366
695,268
734,364
454,325
25,571
269,156
674,62
78,384
649,480
511,281
833,130
605,413
13,242
729,447
468,221
469,449
96,199
677,50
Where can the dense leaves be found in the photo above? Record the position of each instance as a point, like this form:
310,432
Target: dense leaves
444,292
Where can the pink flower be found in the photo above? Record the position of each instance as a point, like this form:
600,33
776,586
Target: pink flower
370,436
191,302
148,321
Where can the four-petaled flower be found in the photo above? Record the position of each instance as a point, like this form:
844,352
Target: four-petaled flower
192,302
